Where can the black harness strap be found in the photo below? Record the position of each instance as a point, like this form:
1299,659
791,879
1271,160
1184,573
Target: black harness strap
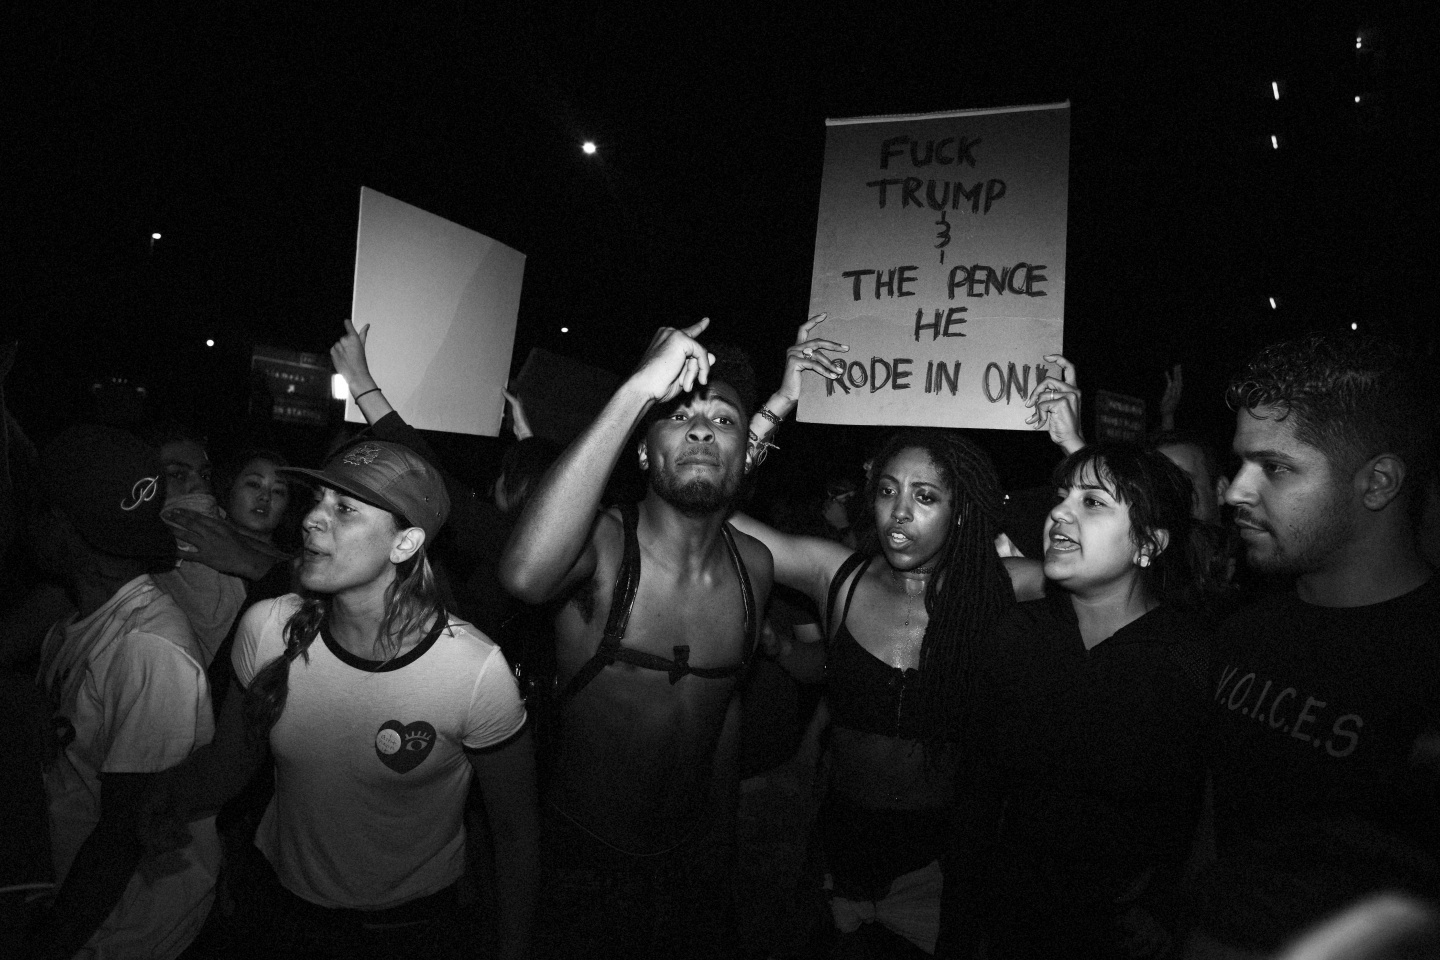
622,600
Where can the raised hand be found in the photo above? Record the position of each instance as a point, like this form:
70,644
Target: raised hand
348,355
1170,399
674,363
518,421
1056,406
807,354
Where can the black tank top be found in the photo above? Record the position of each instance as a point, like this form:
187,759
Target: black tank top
622,599
864,692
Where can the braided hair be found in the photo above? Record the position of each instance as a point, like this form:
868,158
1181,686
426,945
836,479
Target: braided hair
412,603
969,589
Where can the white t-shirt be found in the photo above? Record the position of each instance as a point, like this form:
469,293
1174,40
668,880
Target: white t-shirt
370,766
129,682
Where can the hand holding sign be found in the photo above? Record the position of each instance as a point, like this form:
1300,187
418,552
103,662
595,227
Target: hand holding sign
348,355
806,355
940,261
1170,400
674,363
1056,406
519,422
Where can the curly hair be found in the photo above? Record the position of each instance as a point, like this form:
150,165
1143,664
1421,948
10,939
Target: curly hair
969,590
1352,398
732,365
1158,494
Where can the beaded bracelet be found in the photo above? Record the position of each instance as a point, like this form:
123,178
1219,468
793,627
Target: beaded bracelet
765,412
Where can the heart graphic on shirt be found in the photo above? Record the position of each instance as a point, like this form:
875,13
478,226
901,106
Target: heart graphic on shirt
402,748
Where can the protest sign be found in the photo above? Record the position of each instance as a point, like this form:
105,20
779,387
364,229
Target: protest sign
441,301
940,261
562,395
1118,416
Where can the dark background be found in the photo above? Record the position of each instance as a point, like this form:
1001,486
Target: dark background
243,132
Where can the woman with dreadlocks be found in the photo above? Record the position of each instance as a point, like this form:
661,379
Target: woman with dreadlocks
378,709
902,633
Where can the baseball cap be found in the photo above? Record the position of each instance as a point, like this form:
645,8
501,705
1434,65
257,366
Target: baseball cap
111,487
390,476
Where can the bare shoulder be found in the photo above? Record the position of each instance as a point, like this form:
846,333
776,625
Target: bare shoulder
759,562
608,532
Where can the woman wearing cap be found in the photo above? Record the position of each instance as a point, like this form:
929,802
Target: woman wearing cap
377,707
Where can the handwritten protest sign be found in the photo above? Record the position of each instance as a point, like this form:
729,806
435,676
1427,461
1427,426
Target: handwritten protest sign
441,301
940,260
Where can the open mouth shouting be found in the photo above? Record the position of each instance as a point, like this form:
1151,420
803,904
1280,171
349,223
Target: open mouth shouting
1060,543
897,538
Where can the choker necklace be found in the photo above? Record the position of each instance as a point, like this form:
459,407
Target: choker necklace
903,582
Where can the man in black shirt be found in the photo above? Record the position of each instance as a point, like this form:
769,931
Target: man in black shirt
1326,695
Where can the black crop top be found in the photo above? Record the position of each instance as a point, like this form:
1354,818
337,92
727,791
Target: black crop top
627,582
864,692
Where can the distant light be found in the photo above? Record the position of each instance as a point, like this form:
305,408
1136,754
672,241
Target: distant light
1357,43
1357,98
154,236
1272,303
564,329
588,147
1354,326
1275,88
1274,142
209,343
339,389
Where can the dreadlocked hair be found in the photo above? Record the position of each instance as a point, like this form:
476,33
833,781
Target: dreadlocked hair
967,592
412,603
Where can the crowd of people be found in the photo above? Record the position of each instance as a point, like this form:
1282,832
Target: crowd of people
363,709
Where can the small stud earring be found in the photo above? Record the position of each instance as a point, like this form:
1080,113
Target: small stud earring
1144,560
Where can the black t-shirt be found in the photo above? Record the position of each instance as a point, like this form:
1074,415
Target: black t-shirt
1318,712
1089,764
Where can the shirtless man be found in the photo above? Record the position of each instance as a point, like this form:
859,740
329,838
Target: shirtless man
650,650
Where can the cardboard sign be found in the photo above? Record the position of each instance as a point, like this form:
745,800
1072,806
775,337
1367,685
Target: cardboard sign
1118,417
441,301
940,261
562,396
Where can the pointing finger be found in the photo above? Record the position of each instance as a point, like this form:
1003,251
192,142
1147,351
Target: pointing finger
695,329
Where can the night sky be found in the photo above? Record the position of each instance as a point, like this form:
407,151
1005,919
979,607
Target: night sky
243,133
